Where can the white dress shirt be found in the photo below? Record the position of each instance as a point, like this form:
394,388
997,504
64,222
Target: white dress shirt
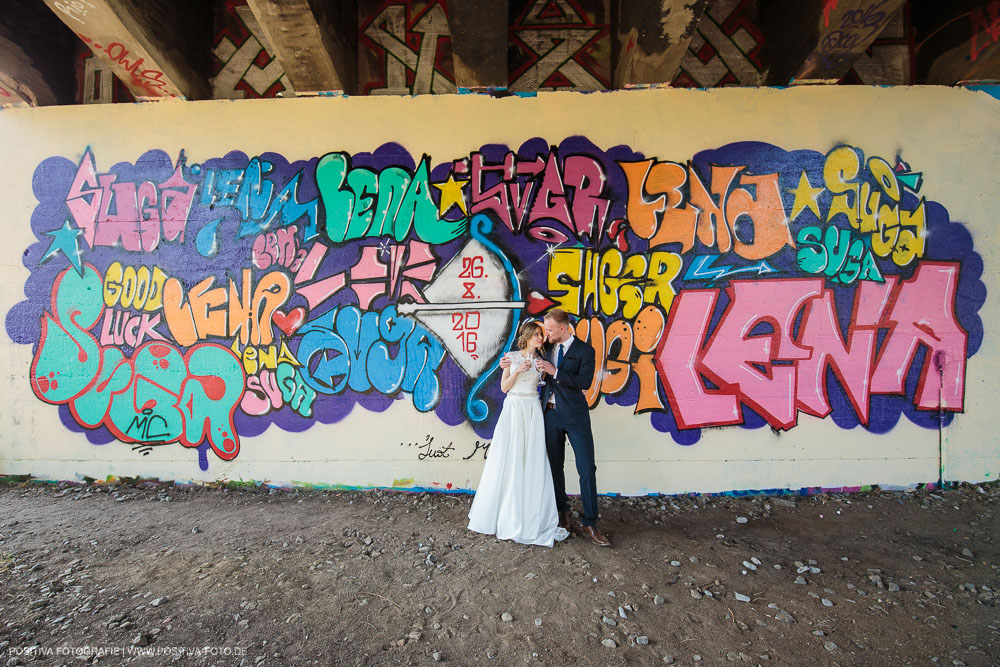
564,346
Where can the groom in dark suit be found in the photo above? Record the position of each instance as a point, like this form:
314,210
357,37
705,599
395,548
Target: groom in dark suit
569,370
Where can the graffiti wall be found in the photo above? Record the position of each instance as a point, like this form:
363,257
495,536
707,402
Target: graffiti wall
317,294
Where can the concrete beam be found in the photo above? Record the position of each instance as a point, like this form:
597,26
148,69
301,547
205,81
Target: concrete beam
957,41
144,46
817,41
651,38
315,41
479,42
36,57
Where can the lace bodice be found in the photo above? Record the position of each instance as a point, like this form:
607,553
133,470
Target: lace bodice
526,383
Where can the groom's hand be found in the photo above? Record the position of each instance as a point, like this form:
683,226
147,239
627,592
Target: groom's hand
505,362
546,367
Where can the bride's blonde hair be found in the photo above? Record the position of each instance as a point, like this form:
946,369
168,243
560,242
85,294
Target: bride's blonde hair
528,330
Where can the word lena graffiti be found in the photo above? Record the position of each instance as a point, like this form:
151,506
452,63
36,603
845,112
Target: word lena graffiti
362,203
157,395
740,285
204,311
659,210
777,373
260,203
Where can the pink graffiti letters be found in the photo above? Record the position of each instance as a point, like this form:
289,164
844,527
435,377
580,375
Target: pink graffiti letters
533,194
271,390
742,285
143,213
279,247
777,373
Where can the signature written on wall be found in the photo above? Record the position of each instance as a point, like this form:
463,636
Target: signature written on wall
428,449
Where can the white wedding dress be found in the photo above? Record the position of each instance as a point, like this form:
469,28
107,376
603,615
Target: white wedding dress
515,499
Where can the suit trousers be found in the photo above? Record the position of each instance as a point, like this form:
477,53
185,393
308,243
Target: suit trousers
582,440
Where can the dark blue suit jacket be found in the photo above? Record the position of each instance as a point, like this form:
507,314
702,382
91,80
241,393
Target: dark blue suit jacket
576,373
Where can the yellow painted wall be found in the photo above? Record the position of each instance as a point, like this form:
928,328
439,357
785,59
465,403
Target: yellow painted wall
948,136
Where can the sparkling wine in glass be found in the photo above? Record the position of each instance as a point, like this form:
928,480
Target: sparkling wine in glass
541,376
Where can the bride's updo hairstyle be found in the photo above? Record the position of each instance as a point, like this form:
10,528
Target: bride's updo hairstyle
528,330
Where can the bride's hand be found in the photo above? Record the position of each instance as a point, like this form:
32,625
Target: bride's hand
524,365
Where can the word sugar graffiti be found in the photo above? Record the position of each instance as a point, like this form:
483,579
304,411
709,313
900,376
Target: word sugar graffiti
203,300
157,395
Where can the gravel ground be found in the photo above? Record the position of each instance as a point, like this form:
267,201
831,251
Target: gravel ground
155,574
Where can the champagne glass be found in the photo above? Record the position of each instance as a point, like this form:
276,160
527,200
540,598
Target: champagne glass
534,364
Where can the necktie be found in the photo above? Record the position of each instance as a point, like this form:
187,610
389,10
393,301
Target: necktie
559,356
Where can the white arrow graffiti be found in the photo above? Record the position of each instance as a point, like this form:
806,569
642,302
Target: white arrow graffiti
432,25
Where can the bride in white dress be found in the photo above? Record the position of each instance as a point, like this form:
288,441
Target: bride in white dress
515,499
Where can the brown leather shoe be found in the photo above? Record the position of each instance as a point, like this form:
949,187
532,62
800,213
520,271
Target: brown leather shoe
595,536
568,524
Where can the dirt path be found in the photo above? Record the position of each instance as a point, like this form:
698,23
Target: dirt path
169,575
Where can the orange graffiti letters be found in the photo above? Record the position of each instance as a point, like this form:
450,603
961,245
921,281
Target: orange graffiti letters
722,216
621,349
204,312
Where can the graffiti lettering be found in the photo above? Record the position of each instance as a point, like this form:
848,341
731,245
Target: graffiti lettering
837,254
775,374
367,351
279,247
143,212
75,9
254,197
149,79
894,231
157,392
255,358
204,312
140,288
609,282
122,328
660,208
621,349
367,291
531,194
273,389
360,202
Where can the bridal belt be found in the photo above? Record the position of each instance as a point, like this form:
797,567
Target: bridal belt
523,394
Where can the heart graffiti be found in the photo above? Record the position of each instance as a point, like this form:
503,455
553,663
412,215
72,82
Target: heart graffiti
289,322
